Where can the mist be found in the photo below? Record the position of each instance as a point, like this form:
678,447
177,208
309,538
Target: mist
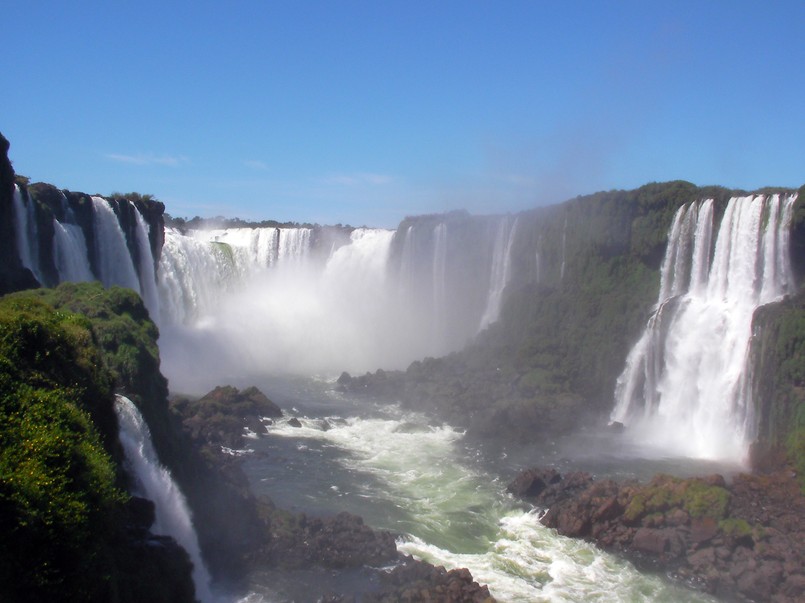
248,302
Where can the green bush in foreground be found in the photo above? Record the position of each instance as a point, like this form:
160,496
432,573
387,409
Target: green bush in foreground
59,505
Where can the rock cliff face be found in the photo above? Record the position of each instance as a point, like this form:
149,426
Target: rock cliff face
778,352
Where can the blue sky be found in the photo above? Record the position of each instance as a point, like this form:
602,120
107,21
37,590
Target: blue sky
364,112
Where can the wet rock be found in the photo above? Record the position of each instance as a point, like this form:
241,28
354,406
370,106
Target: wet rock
219,417
414,581
336,542
294,422
742,540
703,529
532,482
650,540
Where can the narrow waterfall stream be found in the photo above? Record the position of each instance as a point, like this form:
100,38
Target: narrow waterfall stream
154,482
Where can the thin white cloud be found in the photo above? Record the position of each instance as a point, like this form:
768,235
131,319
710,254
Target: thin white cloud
256,164
358,179
149,159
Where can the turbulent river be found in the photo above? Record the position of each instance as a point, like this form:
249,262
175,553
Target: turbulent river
444,496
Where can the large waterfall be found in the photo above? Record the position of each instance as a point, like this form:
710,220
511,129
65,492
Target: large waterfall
307,299
685,387
154,482
258,300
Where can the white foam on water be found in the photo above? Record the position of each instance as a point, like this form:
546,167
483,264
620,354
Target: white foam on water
462,518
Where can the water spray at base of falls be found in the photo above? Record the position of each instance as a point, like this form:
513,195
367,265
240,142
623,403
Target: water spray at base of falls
154,482
686,387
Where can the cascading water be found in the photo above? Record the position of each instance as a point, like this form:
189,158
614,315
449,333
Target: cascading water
684,388
286,299
70,253
501,270
564,252
70,248
439,278
114,260
25,229
154,482
147,276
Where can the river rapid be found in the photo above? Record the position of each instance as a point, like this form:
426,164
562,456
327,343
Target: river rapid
444,495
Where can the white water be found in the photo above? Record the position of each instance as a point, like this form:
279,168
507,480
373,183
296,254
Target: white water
114,260
154,482
257,301
70,252
147,276
439,287
416,479
295,315
685,388
25,229
501,270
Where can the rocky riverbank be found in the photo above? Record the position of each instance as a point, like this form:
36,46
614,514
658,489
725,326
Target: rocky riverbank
742,540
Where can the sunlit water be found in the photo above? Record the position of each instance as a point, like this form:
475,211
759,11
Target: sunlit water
442,495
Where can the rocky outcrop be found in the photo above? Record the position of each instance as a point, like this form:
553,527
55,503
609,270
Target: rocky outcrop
417,582
221,417
341,541
743,540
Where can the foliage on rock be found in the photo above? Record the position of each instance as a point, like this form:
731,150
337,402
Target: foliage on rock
63,515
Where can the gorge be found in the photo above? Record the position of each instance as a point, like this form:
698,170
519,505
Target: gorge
494,340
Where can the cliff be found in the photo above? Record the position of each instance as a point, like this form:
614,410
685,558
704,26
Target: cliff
70,531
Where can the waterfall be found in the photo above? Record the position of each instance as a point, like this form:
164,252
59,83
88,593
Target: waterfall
193,274
70,252
407,260
294,244
147,276
154,482
501,270
70,247
27,239
684,387
439,285
564,252
114,260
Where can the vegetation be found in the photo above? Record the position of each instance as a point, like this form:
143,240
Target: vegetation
697,497
779,358
199,223
63,513
133,196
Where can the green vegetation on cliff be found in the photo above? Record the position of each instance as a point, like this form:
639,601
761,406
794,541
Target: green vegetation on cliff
778,349
70,532
58,499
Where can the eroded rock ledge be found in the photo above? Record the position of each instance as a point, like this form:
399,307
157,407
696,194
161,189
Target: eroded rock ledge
744,540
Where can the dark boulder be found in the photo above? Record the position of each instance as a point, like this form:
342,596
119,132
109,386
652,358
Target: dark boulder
532,482
220,417
413,581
